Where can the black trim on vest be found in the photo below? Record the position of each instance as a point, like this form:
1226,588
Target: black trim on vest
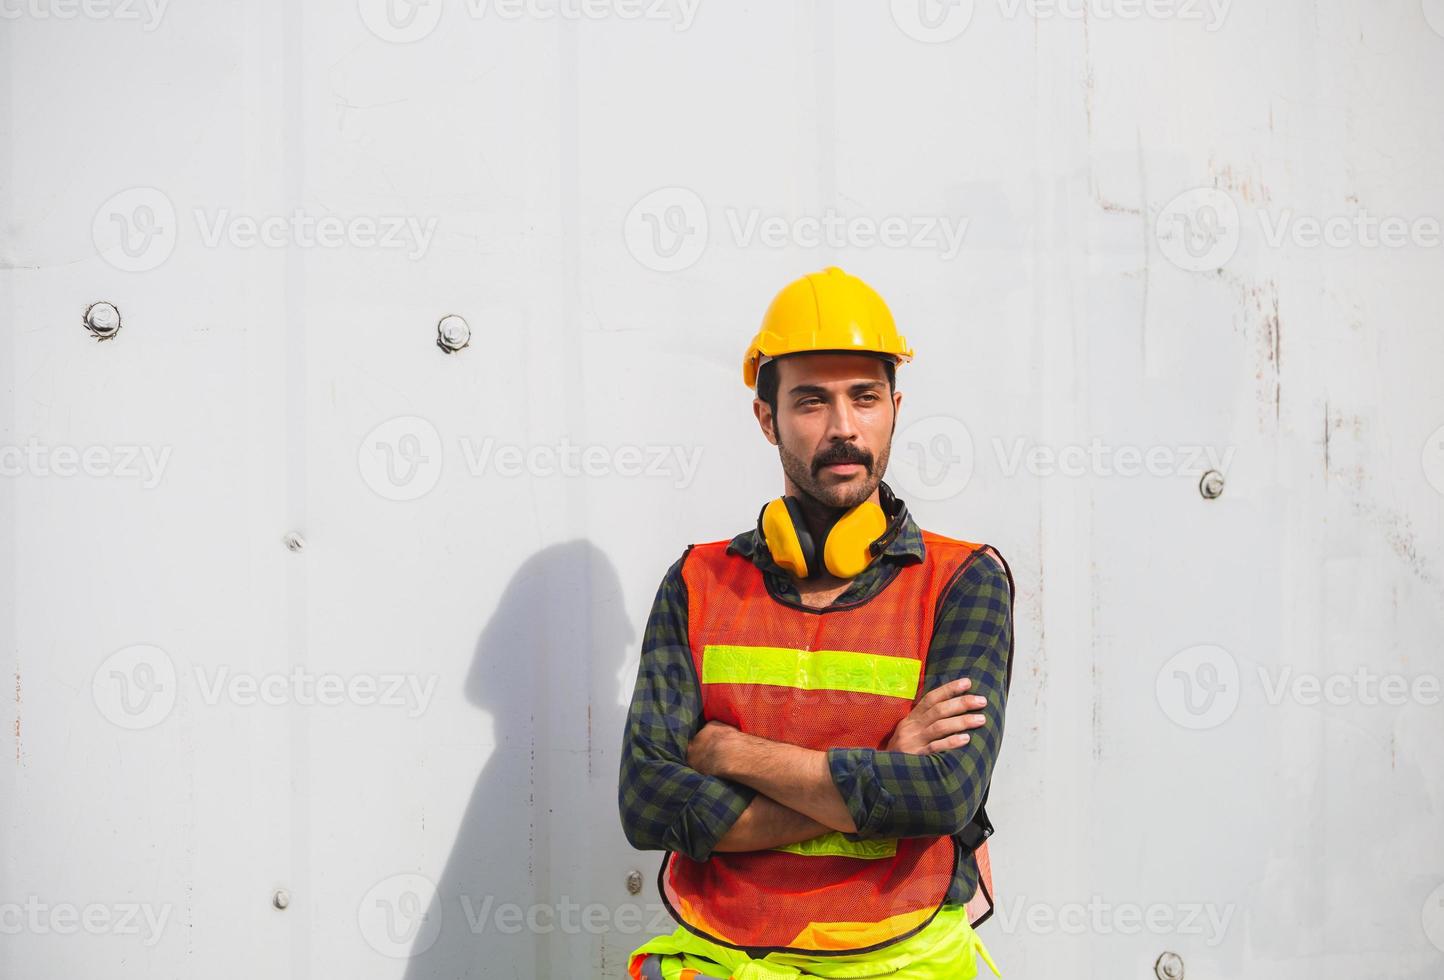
980,828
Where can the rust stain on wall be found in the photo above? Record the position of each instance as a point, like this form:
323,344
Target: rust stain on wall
1250,189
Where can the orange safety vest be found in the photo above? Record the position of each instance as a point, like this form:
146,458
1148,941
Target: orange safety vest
840,676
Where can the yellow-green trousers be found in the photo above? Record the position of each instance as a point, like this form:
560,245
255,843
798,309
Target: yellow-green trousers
948,948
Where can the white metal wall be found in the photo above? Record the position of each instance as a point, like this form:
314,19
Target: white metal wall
303,610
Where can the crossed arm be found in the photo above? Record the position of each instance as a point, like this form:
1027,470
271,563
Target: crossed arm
698,789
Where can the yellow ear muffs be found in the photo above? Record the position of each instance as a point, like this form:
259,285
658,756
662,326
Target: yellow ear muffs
849,546
845,549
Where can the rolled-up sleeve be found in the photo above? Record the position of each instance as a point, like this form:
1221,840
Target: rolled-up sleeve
664,803
898,794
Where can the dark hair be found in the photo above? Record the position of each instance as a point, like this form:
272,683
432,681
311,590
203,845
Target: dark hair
767,378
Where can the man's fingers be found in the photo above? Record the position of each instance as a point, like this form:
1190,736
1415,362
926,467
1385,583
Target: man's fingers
953,725
944,691
951,742
954,706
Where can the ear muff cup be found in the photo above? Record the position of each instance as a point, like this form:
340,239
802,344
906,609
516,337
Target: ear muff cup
780,530
846,550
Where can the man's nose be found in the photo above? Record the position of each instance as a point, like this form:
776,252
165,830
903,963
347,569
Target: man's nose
842,422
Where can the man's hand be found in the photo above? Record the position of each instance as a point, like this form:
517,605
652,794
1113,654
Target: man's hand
938,721
704,751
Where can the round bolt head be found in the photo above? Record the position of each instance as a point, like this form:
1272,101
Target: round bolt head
1169,967
452,333
634,882
1211,485
281,899
102,319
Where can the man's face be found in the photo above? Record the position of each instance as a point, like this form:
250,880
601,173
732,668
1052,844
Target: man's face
834,424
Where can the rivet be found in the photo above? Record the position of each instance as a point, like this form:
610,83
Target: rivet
634,882
1211,485
281,899
294,541
452,333
102,319
1169,967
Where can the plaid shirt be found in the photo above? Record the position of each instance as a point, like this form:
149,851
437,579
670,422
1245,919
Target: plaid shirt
665,805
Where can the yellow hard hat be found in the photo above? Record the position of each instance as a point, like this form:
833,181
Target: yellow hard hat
827,310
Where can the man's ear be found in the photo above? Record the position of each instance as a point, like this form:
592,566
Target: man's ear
765,419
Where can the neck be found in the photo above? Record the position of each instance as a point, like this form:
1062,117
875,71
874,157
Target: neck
820,516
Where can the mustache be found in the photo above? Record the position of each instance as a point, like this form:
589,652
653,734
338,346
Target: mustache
842,453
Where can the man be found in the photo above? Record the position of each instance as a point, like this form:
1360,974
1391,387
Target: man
820,699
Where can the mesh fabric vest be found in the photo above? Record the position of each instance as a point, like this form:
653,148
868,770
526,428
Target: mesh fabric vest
842,676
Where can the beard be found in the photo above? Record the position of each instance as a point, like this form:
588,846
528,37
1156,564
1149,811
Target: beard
806,474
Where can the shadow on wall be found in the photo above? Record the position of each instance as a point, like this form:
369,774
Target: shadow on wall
544,807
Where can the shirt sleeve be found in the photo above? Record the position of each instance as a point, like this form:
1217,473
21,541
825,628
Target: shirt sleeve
898,794
665,804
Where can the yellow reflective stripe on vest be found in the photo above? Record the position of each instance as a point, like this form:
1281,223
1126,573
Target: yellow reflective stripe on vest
833,844
811,670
